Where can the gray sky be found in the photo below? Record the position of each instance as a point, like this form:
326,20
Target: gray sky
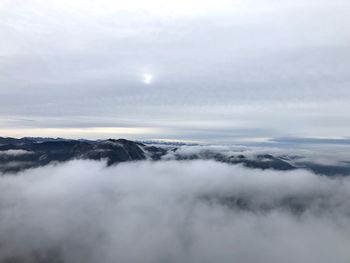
215,71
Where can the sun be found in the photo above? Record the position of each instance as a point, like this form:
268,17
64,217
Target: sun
147,78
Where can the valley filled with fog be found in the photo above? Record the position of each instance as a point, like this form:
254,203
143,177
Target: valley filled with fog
172,211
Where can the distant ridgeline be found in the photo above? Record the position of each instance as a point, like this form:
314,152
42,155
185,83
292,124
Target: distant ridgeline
20,154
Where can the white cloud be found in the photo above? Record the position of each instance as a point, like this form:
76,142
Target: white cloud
293,153
14,152
173,211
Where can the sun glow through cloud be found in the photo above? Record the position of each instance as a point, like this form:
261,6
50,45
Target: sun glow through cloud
147,78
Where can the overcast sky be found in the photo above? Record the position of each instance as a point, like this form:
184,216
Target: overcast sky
211,71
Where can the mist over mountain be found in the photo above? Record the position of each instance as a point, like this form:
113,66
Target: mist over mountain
25,153
171,210
116,200
69,201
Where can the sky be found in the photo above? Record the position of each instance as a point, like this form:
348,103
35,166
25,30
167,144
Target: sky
206,71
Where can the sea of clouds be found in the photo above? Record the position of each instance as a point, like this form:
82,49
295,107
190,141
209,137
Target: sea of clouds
173,211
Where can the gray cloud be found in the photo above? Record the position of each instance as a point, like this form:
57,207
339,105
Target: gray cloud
197,211
293,152
261,63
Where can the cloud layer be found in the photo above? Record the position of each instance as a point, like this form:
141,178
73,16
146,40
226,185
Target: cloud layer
230,68
172,211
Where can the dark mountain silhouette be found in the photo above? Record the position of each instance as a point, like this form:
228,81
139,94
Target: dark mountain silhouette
24,153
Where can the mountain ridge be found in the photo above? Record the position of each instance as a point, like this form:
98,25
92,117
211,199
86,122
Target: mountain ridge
31,152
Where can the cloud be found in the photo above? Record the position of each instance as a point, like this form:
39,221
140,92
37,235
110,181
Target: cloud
172,211
14,152
278,67
293,153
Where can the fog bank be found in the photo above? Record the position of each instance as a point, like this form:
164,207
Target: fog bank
172,211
